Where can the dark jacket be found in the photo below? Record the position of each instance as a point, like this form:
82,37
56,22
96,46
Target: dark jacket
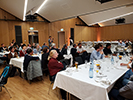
73,51
107,51
27,59
63,51
44,61
54,66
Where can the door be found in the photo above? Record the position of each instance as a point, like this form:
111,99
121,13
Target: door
61,39
18,34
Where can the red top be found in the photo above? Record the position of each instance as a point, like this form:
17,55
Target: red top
54,66
21,53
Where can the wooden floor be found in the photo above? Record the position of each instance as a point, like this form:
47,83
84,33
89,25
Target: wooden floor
20,89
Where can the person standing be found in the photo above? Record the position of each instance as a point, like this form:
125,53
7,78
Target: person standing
71,41
50,41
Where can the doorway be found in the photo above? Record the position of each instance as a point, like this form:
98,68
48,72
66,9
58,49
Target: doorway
61,39
33,37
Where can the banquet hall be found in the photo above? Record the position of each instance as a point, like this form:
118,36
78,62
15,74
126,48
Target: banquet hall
66,49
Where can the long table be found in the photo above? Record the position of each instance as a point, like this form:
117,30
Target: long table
79,84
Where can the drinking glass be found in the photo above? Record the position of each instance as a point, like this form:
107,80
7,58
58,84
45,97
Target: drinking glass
86,63
76,65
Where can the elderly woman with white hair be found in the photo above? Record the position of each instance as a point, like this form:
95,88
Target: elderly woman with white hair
55,66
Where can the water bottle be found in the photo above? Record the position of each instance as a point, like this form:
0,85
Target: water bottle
112,60
91,65
91,73
118,55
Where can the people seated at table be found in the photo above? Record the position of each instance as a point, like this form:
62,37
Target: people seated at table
37,50
33,45
64,50
97,53
16,49
44,60
28,46
14,43
20,47
23,51
53,47
55,66
107,50
12,54
126,43
44,45
11,44
3,48
81,52
80,49
28,57
121,43
130,61
126,91
126,77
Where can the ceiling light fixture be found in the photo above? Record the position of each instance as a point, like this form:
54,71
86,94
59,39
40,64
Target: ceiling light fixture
113,18
41,6
25,8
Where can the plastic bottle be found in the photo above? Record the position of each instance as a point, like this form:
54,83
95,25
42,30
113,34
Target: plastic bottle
91,72
92,65
118,55
112,60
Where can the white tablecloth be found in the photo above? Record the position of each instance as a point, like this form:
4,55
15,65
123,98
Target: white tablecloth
3,53
85,88
18,62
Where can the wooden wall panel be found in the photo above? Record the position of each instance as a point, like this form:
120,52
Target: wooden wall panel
117,32
54,27
83,33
